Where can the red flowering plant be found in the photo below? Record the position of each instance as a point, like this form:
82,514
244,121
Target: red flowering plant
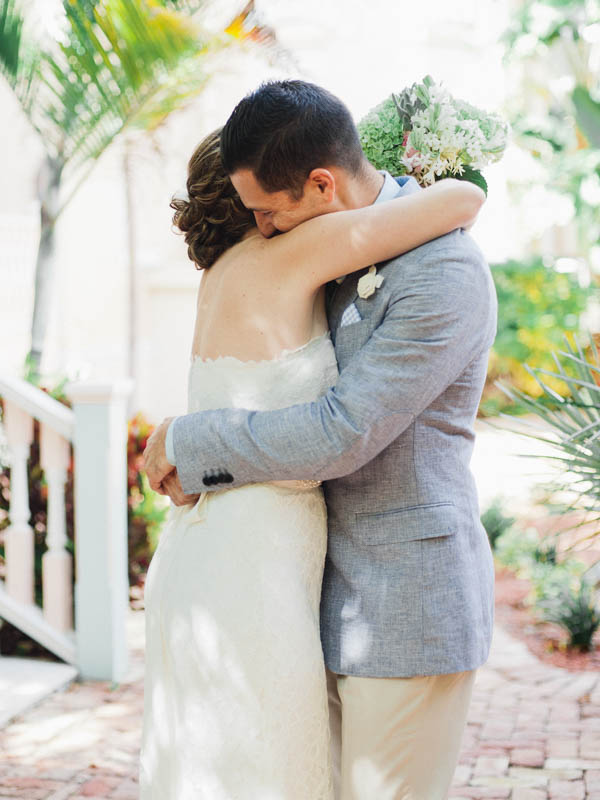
146,510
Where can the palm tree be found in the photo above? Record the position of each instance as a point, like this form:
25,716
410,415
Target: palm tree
119,65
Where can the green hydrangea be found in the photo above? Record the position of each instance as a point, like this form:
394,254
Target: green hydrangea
382,136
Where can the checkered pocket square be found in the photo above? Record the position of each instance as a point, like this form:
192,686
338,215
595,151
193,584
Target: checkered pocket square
350,316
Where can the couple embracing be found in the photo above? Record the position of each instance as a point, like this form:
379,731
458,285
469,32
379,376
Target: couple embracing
322,593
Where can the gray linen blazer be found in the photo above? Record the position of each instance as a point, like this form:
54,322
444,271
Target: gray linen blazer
408,583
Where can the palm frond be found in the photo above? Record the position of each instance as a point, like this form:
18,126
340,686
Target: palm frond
19,56
11,32
120,61
189,6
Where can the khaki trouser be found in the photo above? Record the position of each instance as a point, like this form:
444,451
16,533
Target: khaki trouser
396,738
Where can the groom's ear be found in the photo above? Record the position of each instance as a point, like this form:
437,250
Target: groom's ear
321,183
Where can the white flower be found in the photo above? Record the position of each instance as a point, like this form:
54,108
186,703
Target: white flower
368,283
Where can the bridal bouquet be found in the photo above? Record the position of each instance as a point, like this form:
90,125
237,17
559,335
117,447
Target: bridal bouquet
427,133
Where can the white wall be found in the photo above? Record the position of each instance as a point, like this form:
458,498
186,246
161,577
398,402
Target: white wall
360,50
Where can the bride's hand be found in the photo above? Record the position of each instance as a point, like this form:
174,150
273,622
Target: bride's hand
171,485
155,458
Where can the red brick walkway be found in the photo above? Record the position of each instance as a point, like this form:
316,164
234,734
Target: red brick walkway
533,734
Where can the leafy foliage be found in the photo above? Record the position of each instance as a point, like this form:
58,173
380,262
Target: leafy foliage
546,554
147,510
515,547
19,58
560,593
556,107
496,522
575,611
537,305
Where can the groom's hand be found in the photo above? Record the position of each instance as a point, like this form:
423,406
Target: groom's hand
155,458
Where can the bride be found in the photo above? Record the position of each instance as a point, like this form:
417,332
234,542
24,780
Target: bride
235,695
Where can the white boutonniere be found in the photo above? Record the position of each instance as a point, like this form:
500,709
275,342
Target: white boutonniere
369,283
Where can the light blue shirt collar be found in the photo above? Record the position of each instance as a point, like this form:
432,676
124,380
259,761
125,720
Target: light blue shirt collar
389,190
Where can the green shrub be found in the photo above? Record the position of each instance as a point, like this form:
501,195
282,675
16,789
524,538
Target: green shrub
546,554
515,548
495,522
574,609
550,581
537,306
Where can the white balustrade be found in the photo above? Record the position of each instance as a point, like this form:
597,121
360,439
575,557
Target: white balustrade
57,562
97,427
19,542
101,591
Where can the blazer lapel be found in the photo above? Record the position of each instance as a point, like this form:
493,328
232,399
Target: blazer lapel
342,296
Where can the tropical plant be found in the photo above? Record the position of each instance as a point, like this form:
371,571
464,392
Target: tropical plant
571,425
117,65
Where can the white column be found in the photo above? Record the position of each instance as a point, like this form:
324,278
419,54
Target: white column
19,542
101,589
57,562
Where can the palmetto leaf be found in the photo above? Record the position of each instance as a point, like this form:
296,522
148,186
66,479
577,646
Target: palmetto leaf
572,426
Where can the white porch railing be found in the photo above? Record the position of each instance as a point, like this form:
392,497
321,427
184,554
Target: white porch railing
95,640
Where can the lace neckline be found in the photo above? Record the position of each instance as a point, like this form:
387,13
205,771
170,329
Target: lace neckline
197,359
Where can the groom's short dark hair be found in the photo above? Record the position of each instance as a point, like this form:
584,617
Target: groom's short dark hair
285,129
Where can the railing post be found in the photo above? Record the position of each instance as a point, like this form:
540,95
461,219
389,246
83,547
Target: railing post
100,484
19,541
57,562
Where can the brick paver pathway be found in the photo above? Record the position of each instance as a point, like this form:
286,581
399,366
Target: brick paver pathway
533,734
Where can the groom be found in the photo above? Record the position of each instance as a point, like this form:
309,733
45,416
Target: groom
407,598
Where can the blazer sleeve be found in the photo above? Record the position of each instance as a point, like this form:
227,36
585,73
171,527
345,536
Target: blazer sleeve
436,323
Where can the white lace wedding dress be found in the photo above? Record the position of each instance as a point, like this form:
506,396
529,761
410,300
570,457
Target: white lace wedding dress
235,704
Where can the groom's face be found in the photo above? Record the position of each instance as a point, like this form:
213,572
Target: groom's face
277,211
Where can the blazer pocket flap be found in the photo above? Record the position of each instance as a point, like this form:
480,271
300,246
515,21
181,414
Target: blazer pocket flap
431,521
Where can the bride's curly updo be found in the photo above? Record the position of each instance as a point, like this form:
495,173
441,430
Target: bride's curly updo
212,217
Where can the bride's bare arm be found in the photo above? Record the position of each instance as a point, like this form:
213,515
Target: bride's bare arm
335,244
